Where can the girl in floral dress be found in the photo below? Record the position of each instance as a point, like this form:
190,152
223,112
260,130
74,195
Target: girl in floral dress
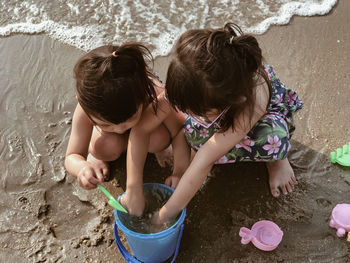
237,109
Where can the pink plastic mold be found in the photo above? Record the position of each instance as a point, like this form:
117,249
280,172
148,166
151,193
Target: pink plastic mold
264,235
340,219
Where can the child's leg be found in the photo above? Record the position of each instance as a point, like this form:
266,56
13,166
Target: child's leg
107,146
281,176
269,141
160,140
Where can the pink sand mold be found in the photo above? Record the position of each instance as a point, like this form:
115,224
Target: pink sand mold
264,235
340,219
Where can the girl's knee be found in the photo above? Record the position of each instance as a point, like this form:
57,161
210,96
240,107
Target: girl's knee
108,149
276,148
265,148
272,138
159,139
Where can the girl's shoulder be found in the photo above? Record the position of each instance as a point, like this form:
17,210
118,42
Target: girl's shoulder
81,115
158,83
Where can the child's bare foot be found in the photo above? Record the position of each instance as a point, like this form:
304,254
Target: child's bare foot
102,165
165,157
281,177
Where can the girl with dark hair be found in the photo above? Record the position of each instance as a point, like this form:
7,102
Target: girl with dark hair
237,109
114,86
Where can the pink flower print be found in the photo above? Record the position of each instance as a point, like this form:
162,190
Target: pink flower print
245,143
273,145
222,160
189,129
203,133
279,99
268,120
291,96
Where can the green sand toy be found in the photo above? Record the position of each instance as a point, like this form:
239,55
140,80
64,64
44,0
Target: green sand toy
112,202
341,156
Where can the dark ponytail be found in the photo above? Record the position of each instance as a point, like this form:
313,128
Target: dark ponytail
219,67
113,81
245,46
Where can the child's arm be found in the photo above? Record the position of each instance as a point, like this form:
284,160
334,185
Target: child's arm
87,174
217,146
182,156
138,149
181,150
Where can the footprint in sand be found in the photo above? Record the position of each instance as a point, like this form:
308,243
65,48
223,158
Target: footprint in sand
323,202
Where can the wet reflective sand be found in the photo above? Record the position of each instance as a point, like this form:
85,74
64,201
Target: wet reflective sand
46,217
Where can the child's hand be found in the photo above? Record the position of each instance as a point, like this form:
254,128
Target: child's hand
161,218
173,180
90,175
134,202
156,221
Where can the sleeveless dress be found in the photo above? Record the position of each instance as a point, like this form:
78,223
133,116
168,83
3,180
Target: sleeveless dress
268,140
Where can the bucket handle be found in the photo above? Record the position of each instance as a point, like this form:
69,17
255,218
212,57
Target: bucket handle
131,259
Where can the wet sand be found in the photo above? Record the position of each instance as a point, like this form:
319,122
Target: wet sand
46,217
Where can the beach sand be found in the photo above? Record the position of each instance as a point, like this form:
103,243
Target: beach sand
47,217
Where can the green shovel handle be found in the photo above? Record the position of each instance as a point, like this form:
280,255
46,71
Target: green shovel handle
112,202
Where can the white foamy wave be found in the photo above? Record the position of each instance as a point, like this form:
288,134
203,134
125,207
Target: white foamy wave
293,8
82,37
157,23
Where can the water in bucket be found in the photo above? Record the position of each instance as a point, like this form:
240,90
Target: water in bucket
155,198
150,245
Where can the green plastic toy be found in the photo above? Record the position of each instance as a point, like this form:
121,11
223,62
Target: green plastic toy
341,156
112,202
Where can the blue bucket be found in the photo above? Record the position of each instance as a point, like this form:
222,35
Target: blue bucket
150,248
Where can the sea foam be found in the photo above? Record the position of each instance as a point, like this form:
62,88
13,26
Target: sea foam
157,23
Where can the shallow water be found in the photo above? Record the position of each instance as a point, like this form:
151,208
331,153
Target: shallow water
157,23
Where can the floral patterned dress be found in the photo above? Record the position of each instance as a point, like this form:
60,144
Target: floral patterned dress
268,140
